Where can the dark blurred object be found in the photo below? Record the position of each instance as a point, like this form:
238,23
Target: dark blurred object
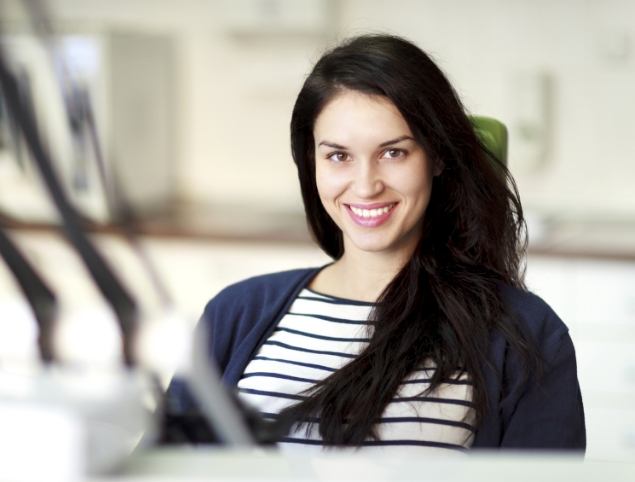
122,303
10,140
183,423
41,298
233,423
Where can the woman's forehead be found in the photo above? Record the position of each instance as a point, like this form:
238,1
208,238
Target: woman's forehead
355,117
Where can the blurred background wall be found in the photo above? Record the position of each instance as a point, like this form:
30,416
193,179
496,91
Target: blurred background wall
559,73
193,100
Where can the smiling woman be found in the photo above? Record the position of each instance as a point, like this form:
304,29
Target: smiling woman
420,333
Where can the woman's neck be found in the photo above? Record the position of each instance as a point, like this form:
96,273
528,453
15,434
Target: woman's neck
358,275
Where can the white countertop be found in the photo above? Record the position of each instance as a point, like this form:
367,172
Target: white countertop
215,464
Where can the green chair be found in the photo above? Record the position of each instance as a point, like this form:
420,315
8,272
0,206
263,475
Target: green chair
493,135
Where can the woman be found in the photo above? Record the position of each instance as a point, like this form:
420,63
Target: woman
421,332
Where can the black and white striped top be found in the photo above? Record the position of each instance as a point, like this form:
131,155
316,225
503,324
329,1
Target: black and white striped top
320,334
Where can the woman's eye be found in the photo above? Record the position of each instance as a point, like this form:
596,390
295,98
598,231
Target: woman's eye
394,153
338,156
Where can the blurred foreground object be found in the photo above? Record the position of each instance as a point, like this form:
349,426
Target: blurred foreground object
97,415
62,424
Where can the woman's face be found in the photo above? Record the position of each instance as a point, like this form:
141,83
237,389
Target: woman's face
373,178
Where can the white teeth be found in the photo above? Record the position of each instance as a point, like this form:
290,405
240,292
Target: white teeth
371,213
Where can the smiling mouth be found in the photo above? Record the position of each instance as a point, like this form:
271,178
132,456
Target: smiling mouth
371,213
371,216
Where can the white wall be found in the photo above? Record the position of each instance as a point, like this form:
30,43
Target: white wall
588,47
236,92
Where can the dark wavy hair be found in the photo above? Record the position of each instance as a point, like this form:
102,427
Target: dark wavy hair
444,302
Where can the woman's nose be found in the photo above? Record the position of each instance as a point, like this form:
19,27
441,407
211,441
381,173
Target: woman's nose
367,182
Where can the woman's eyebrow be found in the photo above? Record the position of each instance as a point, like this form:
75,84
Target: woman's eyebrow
395,141
332,144
383,144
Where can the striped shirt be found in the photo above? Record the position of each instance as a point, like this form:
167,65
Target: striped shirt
320,334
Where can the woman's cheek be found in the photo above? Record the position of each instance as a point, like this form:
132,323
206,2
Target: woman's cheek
331,183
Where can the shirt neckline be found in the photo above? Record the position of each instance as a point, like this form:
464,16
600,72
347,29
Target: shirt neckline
340,299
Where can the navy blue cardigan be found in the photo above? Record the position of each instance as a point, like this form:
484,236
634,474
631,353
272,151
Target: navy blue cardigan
548,415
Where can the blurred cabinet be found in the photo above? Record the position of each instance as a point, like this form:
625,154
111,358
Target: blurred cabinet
131,86
142,107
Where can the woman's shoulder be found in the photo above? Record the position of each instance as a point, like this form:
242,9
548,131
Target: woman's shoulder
533,314
264,288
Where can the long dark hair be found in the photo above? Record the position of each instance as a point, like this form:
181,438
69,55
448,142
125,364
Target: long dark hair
444,302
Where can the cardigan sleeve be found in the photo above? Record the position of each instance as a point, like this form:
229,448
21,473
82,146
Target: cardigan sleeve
547,413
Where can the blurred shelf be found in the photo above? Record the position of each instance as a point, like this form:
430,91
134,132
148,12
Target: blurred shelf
610,240
603,239
234,224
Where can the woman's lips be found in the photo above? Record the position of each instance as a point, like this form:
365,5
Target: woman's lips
370,215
